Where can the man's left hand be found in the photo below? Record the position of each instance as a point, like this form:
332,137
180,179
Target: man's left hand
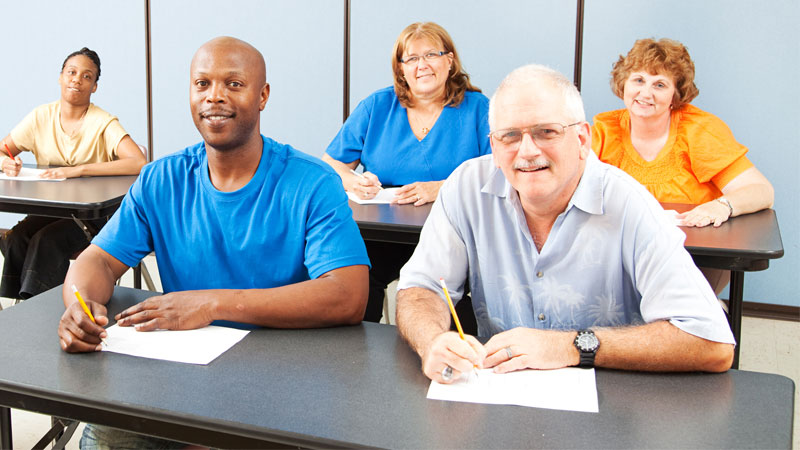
174,311
523,348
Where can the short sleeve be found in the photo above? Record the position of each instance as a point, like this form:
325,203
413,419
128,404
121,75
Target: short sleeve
346,147
441,253
606,137
710,145
127,235
112,136
24,134
332,236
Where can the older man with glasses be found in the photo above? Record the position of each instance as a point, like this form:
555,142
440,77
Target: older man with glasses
570,262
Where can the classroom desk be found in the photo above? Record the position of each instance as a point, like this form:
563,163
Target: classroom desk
743,244
360,386
81,199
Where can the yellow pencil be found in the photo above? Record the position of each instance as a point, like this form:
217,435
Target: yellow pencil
83,303
452,308
455,317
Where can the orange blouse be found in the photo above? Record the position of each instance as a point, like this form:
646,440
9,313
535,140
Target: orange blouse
700,157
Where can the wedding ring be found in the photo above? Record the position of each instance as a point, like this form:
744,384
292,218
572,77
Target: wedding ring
508,352
417,197
447,373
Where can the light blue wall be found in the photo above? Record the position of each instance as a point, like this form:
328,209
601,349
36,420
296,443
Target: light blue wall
747,63
491,39
39,34
301,41
747,57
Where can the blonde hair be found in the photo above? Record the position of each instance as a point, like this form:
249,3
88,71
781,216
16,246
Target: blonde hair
457,80
664,56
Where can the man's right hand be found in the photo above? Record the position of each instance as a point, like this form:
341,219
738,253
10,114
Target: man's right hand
11,167
365,187
76,331
448,349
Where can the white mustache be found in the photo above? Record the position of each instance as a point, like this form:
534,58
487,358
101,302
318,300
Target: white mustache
537,163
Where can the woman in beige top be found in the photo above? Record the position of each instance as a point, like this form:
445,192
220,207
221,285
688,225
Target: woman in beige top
82,140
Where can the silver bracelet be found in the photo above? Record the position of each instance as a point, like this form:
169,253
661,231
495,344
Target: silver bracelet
727,203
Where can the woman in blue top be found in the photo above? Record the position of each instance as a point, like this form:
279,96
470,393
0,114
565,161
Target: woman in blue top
411,135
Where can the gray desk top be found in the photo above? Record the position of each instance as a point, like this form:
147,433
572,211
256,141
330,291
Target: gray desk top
86,197
362,386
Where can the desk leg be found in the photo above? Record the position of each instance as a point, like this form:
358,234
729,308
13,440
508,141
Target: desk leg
137,276
736,291
5,427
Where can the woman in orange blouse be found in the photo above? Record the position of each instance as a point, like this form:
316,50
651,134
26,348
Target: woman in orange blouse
681,153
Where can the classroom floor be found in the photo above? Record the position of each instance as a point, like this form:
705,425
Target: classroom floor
771,346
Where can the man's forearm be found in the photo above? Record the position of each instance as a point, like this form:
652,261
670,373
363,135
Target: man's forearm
660,346
421,316
338,297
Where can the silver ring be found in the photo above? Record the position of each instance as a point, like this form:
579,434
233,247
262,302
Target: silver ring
447,373
417,197
508,352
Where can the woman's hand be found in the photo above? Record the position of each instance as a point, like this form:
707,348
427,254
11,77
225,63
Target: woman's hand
712,212
366,186
418,193
11,167
61,172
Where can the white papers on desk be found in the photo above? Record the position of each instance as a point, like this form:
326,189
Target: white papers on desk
200,346
29,174
384,196
571,389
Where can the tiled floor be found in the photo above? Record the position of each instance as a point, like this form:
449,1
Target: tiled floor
771,346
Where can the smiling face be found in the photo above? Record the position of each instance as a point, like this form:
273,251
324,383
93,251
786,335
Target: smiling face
648,96
544,176
228,92
426,79
78,80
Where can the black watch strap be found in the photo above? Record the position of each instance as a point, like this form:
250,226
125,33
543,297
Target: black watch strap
586,342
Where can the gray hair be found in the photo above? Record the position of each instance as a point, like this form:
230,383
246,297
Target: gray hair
533,73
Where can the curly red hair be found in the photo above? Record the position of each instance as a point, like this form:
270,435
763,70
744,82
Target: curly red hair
664,56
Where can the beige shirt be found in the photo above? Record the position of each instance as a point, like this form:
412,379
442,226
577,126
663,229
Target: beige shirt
96,141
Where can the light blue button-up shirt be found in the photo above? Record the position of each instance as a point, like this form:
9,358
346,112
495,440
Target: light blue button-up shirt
612,257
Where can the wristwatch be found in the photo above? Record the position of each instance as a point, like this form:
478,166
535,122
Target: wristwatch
586,343
727,203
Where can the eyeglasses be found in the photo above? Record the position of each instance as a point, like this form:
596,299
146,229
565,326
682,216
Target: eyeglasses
430,56
545,135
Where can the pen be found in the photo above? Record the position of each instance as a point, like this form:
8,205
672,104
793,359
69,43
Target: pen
453,312
8,150
360,175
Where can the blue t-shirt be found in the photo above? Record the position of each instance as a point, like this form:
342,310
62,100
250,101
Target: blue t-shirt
289,223
378,134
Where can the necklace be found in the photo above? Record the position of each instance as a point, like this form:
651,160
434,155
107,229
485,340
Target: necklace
423,124
76,126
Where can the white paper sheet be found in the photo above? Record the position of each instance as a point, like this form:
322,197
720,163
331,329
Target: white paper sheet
571,389
200,346
384,196
29,174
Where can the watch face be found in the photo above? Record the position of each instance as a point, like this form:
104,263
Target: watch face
587,342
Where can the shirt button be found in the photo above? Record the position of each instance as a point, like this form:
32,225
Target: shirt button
540,274
541,316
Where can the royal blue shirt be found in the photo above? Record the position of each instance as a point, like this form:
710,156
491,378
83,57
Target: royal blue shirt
289,223
378,134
